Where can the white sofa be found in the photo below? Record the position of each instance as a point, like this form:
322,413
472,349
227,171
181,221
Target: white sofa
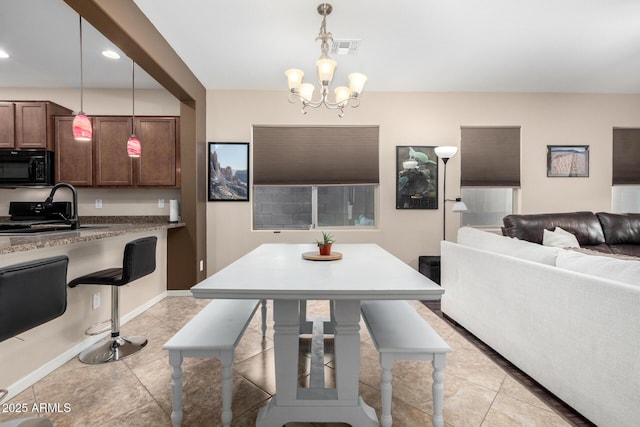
577,332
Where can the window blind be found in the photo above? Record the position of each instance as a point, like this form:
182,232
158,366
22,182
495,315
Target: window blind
315,155
490,156
626,156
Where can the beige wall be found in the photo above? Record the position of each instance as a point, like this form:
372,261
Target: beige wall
153,102
427,119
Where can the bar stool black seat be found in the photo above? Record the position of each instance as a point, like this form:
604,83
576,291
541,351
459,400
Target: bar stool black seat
31,293
139,260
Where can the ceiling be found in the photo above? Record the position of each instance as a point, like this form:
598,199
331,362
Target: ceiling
407,45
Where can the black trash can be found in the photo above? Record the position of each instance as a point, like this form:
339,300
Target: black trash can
429,266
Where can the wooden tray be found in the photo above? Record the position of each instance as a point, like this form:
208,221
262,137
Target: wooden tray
315,256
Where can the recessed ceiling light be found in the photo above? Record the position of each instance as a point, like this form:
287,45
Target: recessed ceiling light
111,54
3,54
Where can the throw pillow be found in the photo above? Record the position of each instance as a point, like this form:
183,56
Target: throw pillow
559,238
511,246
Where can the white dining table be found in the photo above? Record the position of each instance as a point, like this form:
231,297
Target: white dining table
277,271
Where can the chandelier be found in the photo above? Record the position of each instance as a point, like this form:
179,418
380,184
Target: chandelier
326,66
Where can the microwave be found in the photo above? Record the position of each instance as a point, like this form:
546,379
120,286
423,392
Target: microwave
26,167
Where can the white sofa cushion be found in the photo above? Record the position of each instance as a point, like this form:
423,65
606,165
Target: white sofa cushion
559,238
621,270
479,239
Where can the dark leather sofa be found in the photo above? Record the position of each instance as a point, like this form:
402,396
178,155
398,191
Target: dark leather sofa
602,231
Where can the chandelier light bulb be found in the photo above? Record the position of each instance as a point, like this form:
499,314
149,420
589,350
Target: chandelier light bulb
306,91
356,82
342,94
326,67
294,76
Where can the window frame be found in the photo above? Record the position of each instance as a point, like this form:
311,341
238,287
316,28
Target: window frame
315,212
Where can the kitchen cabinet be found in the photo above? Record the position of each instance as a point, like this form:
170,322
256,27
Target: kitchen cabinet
73,159
29,124
159,164
110,166
113,166
7,124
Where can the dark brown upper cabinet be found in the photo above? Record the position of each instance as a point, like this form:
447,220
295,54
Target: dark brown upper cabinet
29,124
104,162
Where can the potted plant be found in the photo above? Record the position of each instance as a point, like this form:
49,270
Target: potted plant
325,243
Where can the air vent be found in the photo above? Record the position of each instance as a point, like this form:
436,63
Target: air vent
345,47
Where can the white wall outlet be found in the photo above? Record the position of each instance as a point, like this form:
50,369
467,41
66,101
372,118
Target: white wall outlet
201,265
98,203
95,301
161,203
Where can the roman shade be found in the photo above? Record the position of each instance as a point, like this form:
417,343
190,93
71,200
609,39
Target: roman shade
626,156
490,156
315,155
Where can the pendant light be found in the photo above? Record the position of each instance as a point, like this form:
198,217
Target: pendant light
82,130
134,149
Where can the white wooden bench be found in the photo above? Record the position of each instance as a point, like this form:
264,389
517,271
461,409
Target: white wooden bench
214,332
399,333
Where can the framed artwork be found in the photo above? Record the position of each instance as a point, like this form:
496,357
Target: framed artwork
416,177
567,160
228,171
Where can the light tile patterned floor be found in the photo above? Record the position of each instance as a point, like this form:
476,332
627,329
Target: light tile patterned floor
136,391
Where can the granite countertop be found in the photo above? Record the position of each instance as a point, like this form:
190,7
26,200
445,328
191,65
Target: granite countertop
92,228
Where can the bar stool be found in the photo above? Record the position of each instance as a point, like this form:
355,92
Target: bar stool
139,260
31,293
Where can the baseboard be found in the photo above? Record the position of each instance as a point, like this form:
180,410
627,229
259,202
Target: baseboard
44,370
180,293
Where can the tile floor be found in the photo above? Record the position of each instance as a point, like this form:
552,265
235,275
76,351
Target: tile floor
136,391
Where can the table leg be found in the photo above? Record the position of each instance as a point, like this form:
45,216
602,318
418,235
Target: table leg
347,348
340,404
439,362
286,341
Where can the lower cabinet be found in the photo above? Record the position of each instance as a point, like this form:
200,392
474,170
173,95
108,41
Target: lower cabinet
108,165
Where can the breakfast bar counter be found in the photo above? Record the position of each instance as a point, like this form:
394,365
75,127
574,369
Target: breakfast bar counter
19,242
99,244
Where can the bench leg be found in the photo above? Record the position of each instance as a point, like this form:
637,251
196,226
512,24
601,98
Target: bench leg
175,360
439,362
264,318
226,359
386,363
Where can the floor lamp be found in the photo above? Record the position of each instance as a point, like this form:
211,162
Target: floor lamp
445,152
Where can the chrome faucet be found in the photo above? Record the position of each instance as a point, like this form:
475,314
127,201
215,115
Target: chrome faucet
48,203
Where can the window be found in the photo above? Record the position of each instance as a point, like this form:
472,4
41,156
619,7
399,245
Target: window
314,176
626,199
626,174
486,206
304,207
489,173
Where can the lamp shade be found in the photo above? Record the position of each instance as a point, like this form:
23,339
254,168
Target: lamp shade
446,151
306,91
342,94
294,77
134,149
326,67
459,206
82,130
356,82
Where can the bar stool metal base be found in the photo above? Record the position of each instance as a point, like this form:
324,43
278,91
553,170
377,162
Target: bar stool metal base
112,350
